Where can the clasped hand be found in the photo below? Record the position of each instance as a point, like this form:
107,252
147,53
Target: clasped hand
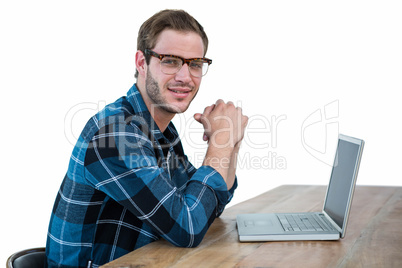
224,124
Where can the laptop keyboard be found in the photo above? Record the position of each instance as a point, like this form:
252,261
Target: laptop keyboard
303,223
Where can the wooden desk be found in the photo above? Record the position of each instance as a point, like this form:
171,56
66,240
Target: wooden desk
365,244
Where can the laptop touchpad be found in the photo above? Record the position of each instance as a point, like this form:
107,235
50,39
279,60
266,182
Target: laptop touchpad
263,223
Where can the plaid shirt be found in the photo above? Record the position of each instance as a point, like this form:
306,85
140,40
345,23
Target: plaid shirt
127,185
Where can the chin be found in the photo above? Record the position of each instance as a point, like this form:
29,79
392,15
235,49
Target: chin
177,105
176,109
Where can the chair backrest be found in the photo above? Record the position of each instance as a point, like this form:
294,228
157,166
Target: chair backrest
29,258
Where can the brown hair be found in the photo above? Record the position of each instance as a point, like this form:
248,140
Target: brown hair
178,20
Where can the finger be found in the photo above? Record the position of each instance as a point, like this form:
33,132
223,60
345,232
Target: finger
244,121
205,137
219,101
245,118
197,117
209,109
202,119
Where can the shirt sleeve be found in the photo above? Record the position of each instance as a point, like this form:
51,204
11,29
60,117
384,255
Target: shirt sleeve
121,162
224,196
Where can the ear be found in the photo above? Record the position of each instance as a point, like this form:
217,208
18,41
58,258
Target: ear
140,63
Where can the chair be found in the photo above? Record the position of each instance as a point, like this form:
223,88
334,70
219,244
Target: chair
29,258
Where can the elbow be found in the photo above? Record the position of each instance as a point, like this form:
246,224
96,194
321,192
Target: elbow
191,244
195,243
190,241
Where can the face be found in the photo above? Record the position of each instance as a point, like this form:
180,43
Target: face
173,93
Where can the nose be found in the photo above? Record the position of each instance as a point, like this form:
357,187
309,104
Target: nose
183,74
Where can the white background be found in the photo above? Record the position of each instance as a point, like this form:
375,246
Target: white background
302,70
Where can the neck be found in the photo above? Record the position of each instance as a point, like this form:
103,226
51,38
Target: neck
162,118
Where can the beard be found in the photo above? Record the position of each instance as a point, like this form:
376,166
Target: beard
158,101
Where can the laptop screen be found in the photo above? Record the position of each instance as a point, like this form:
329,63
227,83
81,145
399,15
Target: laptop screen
341,186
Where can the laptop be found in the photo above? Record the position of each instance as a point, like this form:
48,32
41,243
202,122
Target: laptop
330,223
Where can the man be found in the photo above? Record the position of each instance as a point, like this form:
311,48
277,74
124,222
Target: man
129,182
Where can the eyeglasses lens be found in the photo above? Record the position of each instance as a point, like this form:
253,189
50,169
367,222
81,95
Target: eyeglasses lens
197,68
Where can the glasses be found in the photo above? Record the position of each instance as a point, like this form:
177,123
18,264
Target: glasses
171,64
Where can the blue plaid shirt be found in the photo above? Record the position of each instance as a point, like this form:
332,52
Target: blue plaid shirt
127,185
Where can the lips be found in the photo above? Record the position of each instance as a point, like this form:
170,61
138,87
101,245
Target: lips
179,92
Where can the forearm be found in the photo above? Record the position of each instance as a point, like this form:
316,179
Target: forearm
219,159
232,166
223,160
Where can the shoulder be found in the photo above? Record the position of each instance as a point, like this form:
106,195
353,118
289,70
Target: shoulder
115,120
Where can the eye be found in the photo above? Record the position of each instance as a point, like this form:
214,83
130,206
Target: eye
170,62
196,64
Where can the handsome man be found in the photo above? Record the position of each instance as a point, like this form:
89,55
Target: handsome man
129,182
